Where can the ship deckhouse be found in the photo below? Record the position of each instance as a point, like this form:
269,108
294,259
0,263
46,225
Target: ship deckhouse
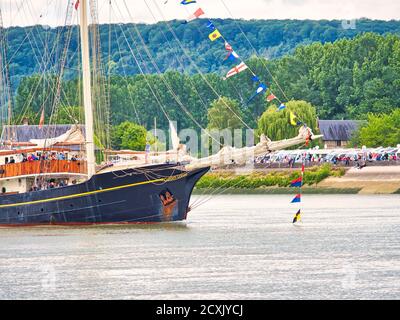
34,158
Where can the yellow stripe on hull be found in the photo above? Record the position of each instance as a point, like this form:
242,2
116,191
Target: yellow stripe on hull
79,195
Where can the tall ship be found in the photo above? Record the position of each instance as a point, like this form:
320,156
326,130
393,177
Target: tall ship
49,174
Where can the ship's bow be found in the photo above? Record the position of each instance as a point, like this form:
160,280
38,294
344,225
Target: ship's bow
192,178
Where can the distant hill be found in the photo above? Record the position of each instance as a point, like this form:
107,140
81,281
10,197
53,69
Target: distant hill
28,47
346,79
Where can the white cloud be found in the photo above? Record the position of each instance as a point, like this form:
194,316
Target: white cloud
52,12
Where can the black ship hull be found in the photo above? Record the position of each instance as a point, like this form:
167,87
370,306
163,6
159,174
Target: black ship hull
151,194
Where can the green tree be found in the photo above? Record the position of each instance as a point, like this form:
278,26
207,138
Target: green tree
129,135
272,38
381,130
348,78
276,124
224,113
33,94
69,115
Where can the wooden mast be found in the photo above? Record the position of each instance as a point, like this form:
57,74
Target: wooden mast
87,89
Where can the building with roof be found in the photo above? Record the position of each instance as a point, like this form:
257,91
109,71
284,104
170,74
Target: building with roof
337,133
25,133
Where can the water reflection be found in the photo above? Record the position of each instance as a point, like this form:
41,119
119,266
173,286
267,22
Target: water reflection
173,226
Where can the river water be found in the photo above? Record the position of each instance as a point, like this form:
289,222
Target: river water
232,247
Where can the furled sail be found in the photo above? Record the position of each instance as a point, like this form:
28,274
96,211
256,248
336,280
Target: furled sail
239,156
73,136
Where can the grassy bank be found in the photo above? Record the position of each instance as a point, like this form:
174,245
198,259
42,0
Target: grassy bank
278,190
271,182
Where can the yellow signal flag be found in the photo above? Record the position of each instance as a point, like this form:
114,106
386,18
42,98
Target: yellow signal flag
214,35
297,217
293,121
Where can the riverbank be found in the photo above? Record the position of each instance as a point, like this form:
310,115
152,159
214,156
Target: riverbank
370,180
317,180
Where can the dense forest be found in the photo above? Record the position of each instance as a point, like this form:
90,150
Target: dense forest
37,49
344,79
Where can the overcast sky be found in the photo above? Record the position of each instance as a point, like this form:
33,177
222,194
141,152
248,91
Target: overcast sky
52,12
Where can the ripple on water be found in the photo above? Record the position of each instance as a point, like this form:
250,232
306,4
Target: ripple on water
232,247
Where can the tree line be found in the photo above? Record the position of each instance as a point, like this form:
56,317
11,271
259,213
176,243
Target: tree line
346,79
38,48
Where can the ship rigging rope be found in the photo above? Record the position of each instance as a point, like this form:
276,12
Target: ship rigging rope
137,171
215,193
242,101
255,50
177,57
101,107
12,18
257,54
67,24
162,107
231,83
108,66
144,75
62,65
128,85
195,65
167,84
199,202
239,57
35,47
6,83
193,85
150,174
68,20
50,86
155,66
42,71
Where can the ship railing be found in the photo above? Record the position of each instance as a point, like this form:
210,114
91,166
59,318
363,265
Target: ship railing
28,168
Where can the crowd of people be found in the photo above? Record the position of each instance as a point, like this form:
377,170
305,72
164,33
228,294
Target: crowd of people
37,156
354,158
50,184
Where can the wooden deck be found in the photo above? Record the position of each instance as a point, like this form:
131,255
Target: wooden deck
42,167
